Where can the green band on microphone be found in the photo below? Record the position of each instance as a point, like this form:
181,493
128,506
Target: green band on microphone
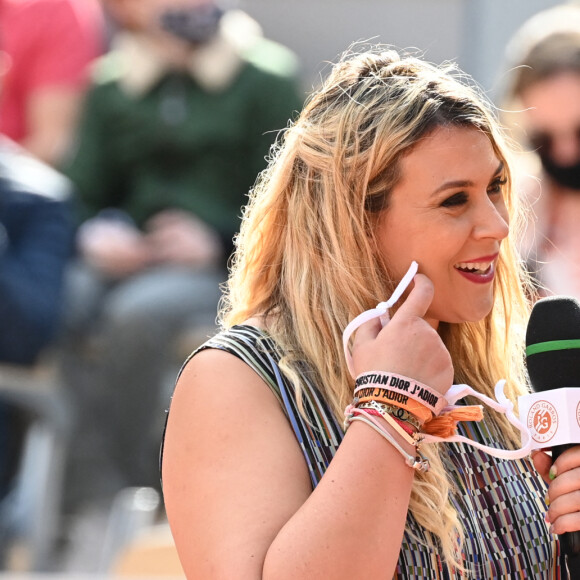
552,345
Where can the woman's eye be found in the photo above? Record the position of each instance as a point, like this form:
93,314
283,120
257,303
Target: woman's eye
455,199
496,186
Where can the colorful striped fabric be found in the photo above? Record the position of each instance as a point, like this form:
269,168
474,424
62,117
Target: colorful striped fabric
500,503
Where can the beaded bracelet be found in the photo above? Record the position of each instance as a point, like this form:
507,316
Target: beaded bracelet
417,462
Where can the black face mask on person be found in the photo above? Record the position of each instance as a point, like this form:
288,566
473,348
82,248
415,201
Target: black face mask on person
194,24
565,175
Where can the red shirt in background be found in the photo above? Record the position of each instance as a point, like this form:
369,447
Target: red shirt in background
50,43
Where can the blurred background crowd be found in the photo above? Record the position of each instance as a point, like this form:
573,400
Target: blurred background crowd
130,134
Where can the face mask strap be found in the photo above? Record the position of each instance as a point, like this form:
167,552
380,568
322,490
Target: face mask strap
501,405
381,311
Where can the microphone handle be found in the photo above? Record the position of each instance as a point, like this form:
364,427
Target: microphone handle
569,541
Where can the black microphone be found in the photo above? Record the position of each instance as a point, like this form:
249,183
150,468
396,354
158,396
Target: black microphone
553,361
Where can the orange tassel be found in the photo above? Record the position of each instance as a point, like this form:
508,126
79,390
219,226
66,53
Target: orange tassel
446,424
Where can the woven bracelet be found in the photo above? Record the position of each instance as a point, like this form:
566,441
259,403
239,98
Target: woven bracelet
422,413
383,385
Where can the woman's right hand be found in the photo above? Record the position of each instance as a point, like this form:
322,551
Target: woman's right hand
408,344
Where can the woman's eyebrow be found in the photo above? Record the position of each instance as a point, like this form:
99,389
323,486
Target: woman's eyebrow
453,184
499,169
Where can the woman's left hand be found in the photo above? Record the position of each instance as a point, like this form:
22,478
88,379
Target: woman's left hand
563,479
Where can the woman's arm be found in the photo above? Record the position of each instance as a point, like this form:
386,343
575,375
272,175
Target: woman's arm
238,493
236,486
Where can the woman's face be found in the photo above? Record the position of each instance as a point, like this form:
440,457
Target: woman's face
448,214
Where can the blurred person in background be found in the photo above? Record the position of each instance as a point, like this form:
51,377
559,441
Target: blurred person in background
175,129
36,243
50,44
542,101
36,235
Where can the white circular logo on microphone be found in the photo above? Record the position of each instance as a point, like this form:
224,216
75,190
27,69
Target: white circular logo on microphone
542,421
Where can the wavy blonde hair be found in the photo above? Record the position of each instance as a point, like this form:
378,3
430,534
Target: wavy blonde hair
307,256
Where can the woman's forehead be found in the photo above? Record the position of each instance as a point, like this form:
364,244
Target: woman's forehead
450,155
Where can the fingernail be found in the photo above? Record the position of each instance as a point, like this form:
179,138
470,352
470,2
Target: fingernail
547,500
553,472
547,518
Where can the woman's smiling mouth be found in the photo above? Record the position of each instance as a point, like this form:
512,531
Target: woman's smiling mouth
480,271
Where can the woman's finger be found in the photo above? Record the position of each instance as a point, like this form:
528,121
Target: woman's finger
367,331
418,300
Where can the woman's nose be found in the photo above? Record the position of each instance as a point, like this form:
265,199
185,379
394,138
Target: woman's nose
492,221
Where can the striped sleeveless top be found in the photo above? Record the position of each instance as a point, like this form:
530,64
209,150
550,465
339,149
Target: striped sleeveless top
500,503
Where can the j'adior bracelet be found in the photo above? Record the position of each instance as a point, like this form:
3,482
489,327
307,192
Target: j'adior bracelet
383,385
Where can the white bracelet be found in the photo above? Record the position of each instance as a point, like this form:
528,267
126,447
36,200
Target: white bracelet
418,462
410,439
352,411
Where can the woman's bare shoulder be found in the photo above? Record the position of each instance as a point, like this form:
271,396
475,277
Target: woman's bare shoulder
229,453
211,360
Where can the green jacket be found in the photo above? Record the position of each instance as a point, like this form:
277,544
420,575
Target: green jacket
179,145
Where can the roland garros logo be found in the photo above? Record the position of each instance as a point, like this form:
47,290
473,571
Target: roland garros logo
542,421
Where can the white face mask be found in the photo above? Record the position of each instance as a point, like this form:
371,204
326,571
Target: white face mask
456,392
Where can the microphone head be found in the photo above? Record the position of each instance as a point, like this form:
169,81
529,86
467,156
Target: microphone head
553,344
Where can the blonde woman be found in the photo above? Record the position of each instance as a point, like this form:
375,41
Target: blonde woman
392,160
